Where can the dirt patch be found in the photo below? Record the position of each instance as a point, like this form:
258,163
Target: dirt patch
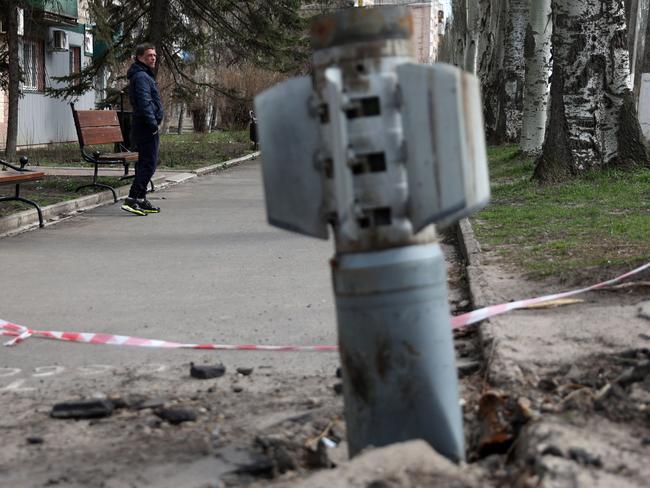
260,426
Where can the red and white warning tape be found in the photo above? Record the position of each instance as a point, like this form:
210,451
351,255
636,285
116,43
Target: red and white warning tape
21,333
469,318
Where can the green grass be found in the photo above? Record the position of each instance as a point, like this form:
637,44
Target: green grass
51,190
182,152
593,225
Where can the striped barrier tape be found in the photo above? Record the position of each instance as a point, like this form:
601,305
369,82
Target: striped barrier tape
469,318
21,333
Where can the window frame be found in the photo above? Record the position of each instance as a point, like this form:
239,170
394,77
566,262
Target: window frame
33,65
74,65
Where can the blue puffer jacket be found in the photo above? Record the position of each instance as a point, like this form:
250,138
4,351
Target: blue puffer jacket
144,96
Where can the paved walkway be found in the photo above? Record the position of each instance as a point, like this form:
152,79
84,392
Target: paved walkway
207,269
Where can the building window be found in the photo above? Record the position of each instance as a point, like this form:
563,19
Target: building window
33,65
75,61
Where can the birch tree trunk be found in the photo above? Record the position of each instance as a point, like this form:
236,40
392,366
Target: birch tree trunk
453,48
14,80
509,127
537,52
490,62
593,121
472,25
641,44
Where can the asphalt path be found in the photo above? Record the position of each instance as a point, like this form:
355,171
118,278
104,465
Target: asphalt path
208,268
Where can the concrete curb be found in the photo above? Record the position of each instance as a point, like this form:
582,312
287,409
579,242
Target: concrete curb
499,370
226,164
28,219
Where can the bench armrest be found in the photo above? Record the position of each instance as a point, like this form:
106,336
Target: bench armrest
23,163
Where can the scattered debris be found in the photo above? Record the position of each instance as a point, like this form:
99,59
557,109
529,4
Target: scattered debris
547,384
260,466
634,374
245,371
83,409
500,420
205,372
278,449
644,310
583,457
176,415
554,303
141,403
580,399
318,458
467,367
35,440
338,388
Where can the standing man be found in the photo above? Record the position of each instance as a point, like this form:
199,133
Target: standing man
148,113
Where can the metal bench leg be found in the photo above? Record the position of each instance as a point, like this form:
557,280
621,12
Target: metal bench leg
25,200
99,185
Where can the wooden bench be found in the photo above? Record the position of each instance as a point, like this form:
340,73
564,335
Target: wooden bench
16,176
101,127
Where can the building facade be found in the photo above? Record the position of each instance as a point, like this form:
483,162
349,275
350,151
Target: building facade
429,19
54,40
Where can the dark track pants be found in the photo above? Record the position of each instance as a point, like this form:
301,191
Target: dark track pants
148,146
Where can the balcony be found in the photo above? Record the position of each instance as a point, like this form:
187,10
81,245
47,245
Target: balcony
55,11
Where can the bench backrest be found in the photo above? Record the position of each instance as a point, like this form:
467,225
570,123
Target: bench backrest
97,126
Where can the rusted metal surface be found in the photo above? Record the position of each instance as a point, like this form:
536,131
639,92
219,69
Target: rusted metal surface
501,417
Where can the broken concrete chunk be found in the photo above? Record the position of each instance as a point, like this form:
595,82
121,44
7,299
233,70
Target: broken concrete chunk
644,310
583,457
412,464
467,367
205,372
140,402
176,416
245,371
634,374
82,409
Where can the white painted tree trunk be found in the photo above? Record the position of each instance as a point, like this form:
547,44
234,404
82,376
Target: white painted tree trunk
455,39
472,36
537,52
593,121
513,67
638,42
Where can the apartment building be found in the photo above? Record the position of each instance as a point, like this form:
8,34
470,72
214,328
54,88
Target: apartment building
429,19
54,40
